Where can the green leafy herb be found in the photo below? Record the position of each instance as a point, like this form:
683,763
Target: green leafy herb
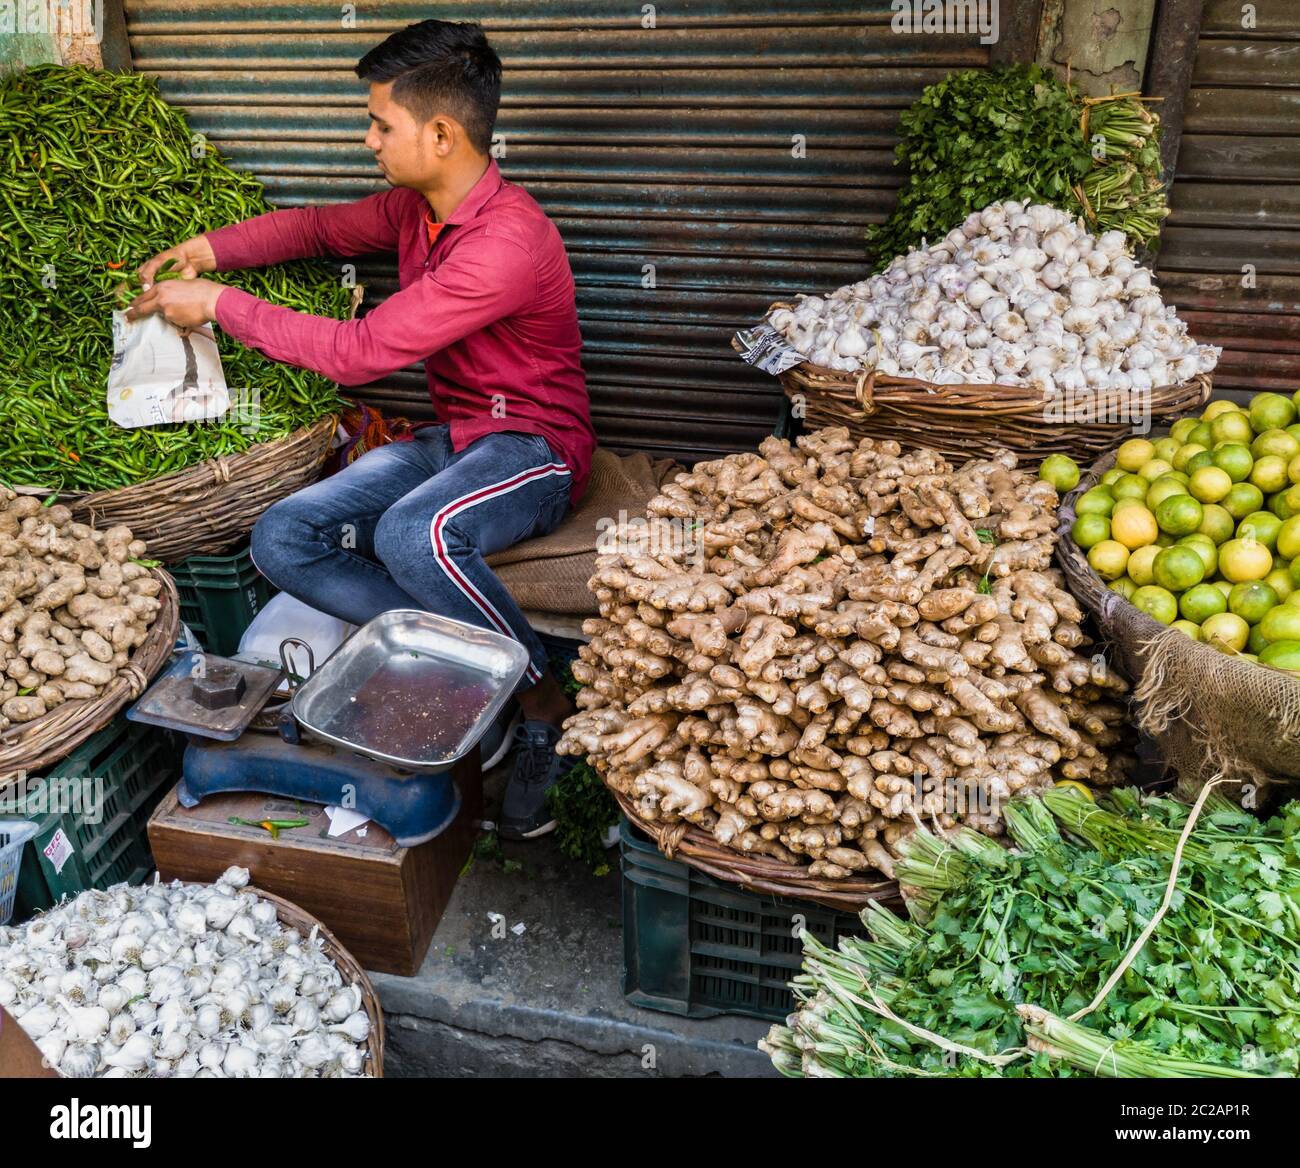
983,136
1000,946
584,811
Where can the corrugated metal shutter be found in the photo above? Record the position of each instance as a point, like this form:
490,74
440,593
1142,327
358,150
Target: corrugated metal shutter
1236,200
669,146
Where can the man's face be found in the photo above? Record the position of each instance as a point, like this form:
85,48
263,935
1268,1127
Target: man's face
409,153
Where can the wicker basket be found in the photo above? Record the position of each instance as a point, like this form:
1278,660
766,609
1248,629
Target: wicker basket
1211,714
206,509
969,421
296,918
687,843
29,746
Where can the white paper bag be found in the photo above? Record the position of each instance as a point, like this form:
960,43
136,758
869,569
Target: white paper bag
160,376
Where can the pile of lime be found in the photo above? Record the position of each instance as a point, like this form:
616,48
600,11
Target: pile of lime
1201,530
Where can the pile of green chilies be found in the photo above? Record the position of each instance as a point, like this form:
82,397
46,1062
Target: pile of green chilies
97,174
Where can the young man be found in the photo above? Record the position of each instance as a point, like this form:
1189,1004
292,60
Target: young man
487,302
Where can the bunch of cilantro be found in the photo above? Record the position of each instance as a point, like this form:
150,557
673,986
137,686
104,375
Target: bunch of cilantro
1214,990
978,137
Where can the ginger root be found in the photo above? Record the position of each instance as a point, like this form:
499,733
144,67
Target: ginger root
871,640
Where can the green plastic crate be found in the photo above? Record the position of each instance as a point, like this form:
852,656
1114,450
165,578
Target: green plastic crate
698,947
220,596
69,854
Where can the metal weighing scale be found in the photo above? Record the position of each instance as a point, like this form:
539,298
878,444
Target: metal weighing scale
377,728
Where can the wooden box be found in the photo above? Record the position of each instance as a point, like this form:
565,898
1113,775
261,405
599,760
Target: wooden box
382,901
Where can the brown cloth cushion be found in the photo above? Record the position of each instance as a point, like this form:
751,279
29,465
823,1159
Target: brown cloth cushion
550,574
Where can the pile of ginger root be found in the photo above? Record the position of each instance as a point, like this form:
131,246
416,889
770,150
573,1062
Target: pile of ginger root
73,606
810,651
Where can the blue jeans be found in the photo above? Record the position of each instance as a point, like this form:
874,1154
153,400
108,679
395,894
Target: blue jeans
407,526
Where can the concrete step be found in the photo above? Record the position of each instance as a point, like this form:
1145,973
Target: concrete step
496,1000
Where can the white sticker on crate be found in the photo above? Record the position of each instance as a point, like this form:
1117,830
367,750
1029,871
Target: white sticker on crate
58,851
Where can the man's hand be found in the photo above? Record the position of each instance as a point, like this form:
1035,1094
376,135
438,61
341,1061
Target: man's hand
192,258
187,304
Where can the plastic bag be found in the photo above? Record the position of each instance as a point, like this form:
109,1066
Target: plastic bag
160,375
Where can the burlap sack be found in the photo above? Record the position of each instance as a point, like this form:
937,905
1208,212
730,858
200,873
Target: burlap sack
550,574
1211,714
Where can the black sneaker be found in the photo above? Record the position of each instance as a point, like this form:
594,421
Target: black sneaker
498,739
524,814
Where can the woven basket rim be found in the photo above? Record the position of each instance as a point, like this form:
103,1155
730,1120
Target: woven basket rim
762,874
299,918
39,743
210,470
993,398
1088,587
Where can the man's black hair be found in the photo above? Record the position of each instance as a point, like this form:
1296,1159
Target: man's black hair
441,67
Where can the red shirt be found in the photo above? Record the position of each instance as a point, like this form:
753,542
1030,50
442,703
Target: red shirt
486,301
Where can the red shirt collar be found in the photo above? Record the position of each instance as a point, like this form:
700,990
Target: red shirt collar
472,203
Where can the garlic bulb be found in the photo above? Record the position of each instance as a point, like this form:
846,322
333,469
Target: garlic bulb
1031,276
139,981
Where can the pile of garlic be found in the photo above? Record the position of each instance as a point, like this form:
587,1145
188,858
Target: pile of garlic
1018,295
181,981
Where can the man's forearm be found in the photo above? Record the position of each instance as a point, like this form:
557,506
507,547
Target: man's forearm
272,238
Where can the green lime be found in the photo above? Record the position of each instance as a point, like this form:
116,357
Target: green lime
1154,469
1140,563
1224,586
1294,429
1244,559
1226,631
1270,411
1217,523
1061,471
1293,570
1236,459
1281,624
1094,502
1158,603
1111,476
1124,586
1188,629
1277,503
1288,538
1184,454
1275,442
1179,515
1199,460
1269,474
1261,525
1162,488
1251,599
1108,559
1166,448
1181,428
1178,568
1202,601
1205,548
1281,655
1134,453
1200,434
1279,579
1293,468
1131,486
1242,500
1090,530
1209,484
1232,426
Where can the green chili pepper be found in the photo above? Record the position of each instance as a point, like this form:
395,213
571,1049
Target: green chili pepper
99,172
